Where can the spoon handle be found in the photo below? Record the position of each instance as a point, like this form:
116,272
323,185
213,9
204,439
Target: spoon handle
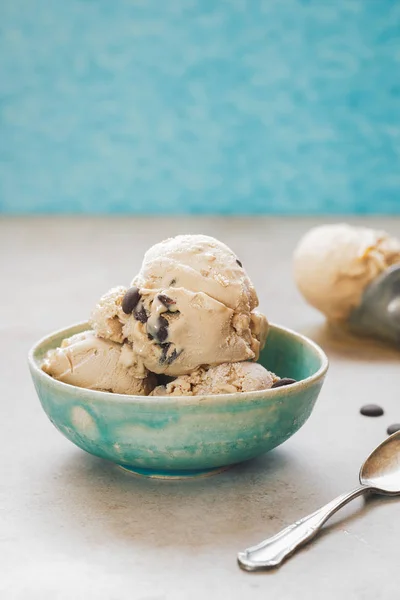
272,552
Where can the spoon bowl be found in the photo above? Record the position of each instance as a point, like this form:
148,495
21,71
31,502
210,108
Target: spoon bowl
381,470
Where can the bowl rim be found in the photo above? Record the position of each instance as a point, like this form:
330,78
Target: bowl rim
231,398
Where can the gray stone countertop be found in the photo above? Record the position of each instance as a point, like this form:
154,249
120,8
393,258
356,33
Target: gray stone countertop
76,527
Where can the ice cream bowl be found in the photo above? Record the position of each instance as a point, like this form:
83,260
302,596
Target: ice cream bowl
185,436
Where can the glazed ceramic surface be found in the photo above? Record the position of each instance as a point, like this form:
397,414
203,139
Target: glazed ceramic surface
181,436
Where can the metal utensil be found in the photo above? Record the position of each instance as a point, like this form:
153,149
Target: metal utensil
378,314
380,474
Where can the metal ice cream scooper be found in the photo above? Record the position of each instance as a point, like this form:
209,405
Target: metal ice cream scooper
378,314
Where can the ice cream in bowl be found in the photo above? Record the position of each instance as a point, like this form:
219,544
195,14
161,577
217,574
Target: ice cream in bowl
178,374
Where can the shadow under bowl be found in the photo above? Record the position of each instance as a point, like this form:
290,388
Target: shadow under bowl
189,435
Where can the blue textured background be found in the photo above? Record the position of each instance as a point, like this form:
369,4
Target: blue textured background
230,106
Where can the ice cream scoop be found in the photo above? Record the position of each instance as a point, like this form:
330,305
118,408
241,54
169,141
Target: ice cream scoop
378,313
227,378
87,361
191,304
336,265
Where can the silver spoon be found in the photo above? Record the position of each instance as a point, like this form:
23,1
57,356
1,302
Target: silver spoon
380,474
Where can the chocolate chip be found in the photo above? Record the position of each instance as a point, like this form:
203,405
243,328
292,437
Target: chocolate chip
130,300
371,410
166,300
164,358
173,282
164,351
161,331
173,356
239,263
283,381
162,334
393,428
141,315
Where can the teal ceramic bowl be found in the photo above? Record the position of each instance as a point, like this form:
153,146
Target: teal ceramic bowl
185,436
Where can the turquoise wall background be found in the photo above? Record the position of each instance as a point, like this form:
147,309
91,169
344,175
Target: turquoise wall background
199,106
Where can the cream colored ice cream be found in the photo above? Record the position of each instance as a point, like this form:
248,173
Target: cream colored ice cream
227,378
108,317
189,313
87,361
192,304
333,264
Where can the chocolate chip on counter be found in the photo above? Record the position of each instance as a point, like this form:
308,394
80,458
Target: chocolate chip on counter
371,410
393,428
141,315
283,381
166,300
130,300
239,263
